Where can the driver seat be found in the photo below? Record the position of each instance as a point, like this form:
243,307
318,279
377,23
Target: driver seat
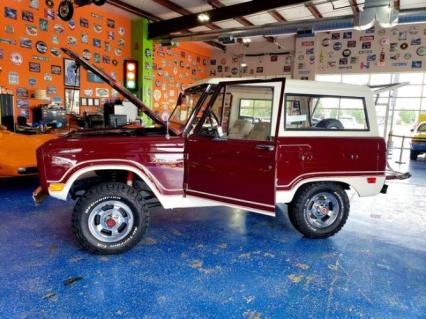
240,129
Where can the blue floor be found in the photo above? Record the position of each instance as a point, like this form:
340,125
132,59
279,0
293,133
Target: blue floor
219,263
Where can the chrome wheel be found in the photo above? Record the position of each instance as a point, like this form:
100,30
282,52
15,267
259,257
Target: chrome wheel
110,221
322,210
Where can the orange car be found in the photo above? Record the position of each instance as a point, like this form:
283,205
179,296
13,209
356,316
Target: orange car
18,152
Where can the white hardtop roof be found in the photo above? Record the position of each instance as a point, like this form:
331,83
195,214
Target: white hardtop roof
299,84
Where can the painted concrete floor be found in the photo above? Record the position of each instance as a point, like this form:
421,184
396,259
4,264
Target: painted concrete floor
219,263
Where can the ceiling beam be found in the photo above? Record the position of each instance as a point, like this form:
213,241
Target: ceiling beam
277,16
144,14
217,4
354,6
181,10
188,21
314,10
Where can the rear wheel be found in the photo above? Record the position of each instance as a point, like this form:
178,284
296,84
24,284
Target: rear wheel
319,210
413,155
110,218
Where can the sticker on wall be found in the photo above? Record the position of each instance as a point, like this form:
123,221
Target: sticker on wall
49,14
1,53
71,40
402,35
413,30
59,29
34,67
49,3
41,47
408,56
234,71
55,52
47,77
347,35
25,43
107,46
343,61
395,56
157,94
32,82
97,28
337,46
364,65
114,62
84,38
354,60
51,90
367,38
97,57
416,41
8,28
335,36
31,30
22,92
96,43
106,59
27,16
121,43
381,32
395,32
40,58
10,13
371,57
71,24
88,92
13,78
371,30
404,46
16,58
416,64
110,23
366,45
35,4
118,51
42,24
84,22
101,92
86,54
352,44
111,35
121,31
421,51
54,39
56,69
384,42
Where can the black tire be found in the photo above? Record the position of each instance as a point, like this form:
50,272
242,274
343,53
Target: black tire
302,201
330,124
118,193
99,2
413,155
65,10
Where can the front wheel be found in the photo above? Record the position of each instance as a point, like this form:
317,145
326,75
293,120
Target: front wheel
319,210
110,218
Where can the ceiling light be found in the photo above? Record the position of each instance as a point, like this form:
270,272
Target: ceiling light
243,64
246,40
203,17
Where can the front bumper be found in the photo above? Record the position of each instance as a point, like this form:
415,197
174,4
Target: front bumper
39,195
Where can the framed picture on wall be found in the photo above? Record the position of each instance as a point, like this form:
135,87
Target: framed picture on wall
72,101
83,101
90,102
71,73
96,102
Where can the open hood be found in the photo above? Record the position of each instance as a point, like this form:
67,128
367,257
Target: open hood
115,84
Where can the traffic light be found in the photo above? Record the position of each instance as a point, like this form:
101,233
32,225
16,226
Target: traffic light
131,75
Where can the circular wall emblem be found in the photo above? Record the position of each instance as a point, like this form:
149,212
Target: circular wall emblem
384,41
337,46
121,31
234,71
408,56
31,30
50,3
59,29
346,53
41,47
404,46
97,28
71,40
114,62
421,51
16,58
118,51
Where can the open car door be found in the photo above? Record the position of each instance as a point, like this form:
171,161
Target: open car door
231,155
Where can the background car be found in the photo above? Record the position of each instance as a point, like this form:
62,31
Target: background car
18,152
418,141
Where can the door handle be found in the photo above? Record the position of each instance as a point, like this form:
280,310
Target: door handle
265,147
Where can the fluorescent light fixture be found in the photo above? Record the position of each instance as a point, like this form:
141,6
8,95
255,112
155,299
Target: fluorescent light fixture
246,40
243,64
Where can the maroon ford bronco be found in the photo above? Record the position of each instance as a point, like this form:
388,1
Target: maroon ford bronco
246,143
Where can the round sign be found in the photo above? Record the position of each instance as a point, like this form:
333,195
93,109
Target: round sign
346,53
421,51
16,58
121,31
50,3
234,71
41,47
407,56
404,45
337,46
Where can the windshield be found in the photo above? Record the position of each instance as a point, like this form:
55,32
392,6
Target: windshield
187,102
422,128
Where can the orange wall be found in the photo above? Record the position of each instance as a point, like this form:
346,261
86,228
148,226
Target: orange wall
94,15
175,69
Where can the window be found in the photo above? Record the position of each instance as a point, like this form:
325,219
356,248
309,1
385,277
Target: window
242,111
314,112
256,110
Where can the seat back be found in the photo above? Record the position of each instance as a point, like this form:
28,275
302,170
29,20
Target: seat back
240,129
260,131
